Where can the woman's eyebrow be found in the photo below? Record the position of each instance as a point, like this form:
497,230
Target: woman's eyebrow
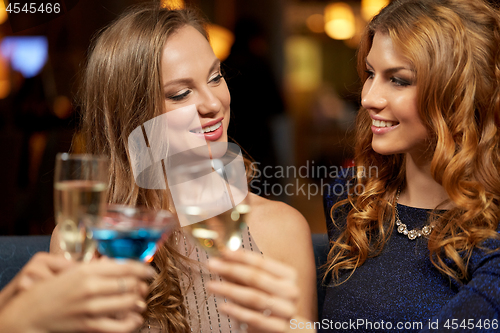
177,81
391,70
215,64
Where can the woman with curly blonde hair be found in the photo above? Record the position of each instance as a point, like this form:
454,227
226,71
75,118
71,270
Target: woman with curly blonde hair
152,61
414,230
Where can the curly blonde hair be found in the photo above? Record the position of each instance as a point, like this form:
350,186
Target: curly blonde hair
454,48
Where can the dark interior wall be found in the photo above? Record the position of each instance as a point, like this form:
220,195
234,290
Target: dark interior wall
30,132
27,116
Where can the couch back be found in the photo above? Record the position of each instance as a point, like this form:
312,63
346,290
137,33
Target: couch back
15,251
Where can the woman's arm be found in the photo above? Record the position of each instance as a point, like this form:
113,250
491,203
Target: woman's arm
283,236
476,307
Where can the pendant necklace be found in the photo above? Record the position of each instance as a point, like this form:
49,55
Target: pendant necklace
402,229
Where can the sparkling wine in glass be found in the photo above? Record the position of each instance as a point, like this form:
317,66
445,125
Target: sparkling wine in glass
210,197
129,232
80,190
217,232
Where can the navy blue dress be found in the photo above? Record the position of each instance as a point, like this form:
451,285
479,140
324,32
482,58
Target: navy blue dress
401,291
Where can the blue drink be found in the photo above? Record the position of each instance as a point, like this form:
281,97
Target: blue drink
136,244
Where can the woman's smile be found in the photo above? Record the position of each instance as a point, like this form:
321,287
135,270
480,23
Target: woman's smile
210,132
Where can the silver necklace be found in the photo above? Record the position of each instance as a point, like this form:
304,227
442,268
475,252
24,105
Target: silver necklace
402,229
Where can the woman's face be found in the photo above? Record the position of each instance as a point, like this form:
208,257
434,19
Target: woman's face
390,96
192,81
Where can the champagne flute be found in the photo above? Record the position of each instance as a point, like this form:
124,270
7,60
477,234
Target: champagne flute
80,185
217,232
210,204
129,232
210,195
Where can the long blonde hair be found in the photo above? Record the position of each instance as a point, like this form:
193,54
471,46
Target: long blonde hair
453,46
122,89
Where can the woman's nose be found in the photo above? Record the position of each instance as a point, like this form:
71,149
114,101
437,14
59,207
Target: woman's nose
208,102
373,96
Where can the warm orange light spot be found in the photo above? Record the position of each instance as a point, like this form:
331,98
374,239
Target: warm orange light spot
370,8
303,65
339,21
221,40
172,4
62,107
316,23
5,85
3,12
4,88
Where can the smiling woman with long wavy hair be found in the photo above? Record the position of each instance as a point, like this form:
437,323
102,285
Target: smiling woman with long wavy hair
151,61
421,239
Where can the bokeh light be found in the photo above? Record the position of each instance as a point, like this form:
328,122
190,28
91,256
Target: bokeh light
5,85
221,40
303,66
339,21
26,54
316,23
3,12
370,8
172,4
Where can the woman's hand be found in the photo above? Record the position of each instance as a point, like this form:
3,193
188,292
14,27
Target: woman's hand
101,296
41,266
263,291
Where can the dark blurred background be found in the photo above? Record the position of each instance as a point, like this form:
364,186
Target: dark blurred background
294,91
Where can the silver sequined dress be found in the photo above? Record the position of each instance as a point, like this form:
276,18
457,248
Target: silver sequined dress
203,313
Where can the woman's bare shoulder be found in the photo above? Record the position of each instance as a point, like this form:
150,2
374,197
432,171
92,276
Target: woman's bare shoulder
277,211
276,225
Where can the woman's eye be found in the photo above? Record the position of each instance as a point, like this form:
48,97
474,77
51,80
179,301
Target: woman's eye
370,73
400,82
217,78
179,97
